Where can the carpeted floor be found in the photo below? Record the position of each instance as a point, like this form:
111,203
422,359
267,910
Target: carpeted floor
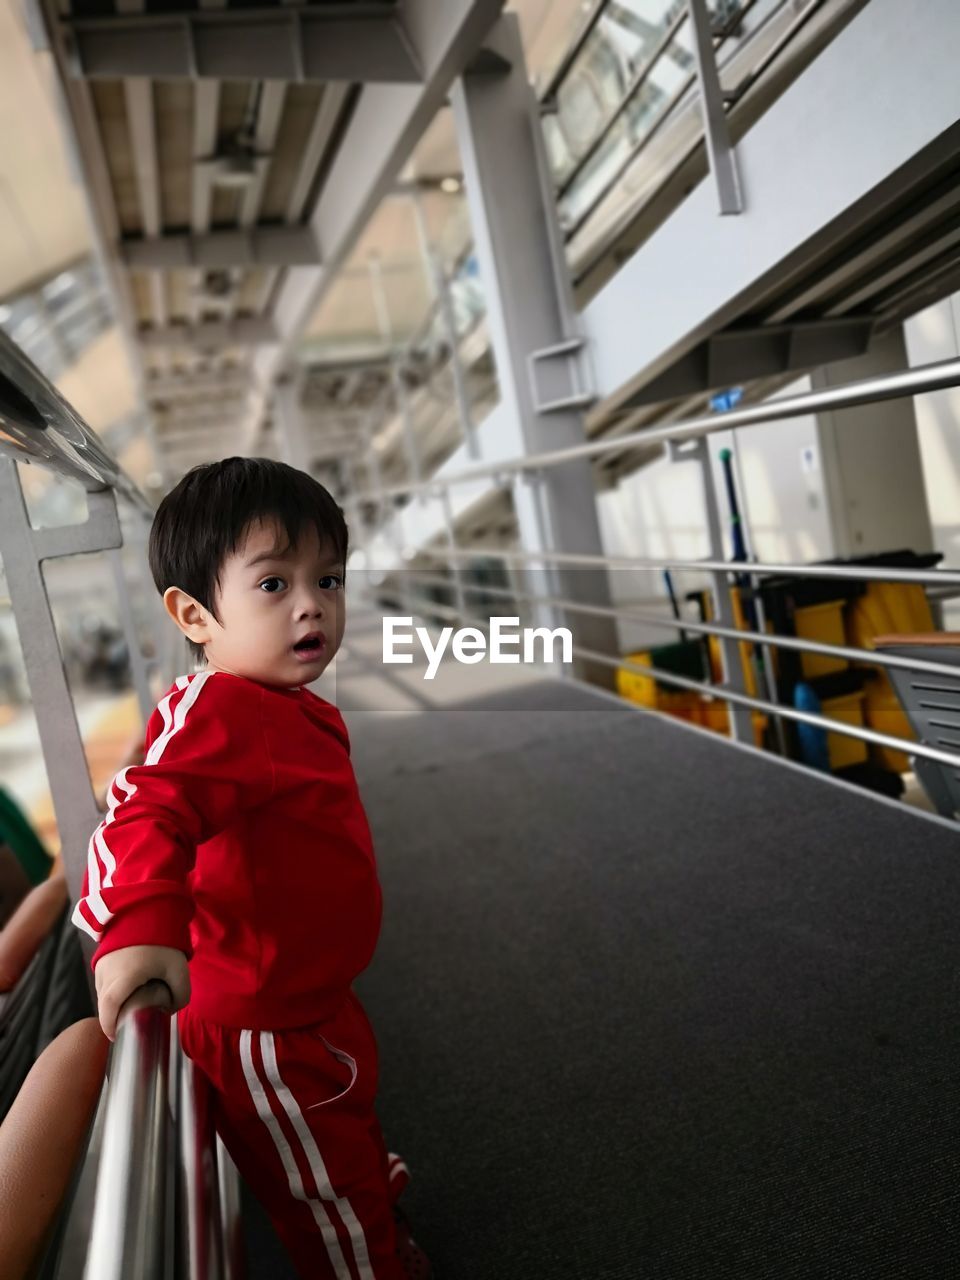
651,1007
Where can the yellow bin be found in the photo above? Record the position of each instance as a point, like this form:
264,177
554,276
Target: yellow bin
844,750
823,623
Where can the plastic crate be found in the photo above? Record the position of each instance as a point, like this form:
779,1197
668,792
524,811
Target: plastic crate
824,624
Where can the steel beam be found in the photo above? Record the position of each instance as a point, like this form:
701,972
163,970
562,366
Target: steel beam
263,247
60,741
202,387
273,95
723,161
307,43
325,122
529,311
819,166
386,125
206,114
211,335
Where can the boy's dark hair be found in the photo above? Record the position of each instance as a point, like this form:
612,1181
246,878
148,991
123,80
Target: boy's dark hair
205,517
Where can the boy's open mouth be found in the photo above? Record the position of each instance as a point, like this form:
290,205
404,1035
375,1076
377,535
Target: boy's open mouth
310,646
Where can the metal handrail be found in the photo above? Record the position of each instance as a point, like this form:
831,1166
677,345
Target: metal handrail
908,746
677,101
648,564
38,425
127,1236
630,613
890,386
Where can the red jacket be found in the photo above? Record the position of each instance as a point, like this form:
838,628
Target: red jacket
240,840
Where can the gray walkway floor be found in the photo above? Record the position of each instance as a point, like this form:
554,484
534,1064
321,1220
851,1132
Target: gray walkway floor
652,1007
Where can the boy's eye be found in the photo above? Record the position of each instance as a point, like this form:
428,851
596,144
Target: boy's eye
272,585
331,582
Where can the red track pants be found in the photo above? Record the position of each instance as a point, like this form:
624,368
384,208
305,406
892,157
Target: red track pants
295,1109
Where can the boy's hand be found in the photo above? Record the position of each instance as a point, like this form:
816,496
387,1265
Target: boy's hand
120,973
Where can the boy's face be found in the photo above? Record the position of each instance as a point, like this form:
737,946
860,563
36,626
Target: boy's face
281,609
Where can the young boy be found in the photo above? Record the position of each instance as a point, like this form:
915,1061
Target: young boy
241,845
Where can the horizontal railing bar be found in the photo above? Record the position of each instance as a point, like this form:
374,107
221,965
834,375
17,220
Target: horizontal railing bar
562,69
643,564
631,614
889,386
39,426
907,746
876,739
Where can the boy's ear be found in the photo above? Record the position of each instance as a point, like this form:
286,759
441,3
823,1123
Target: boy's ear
191,617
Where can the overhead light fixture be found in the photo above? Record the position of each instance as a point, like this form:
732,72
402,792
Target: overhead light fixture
234,162
451,186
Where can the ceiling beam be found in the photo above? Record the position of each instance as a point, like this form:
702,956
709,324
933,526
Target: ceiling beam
200,386
263,247
211,335
270,113
332,42
325,121
141,121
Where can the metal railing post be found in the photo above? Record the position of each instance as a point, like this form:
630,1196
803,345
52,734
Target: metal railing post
138,663
201,1234
723,160
234,1267
24,550
450,526
741,723
127,1236
441,287
396,374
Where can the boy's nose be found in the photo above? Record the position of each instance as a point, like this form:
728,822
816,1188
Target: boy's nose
310,606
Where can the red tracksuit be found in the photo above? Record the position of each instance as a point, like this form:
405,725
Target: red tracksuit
241,841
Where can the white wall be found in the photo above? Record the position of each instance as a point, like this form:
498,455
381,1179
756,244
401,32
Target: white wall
934,335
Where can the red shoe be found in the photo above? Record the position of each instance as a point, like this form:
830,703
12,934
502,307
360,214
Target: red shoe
412,1258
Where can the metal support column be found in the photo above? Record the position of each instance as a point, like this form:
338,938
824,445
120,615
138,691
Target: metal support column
450,526
396,373
531,328
293,431
24,550
723,160
138,663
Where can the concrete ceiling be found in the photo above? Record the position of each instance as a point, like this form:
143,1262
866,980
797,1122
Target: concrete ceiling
206,192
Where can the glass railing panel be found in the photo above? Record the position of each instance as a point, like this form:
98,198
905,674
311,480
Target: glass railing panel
667,81
592,149
625,38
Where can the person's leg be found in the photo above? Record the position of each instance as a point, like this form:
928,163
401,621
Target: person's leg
294,1109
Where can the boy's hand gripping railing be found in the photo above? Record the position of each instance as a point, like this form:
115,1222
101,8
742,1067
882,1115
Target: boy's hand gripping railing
153,1089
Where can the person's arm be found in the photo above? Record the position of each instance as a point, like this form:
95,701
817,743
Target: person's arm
206,763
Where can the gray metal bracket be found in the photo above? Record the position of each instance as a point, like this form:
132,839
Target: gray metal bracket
24,550
572,354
